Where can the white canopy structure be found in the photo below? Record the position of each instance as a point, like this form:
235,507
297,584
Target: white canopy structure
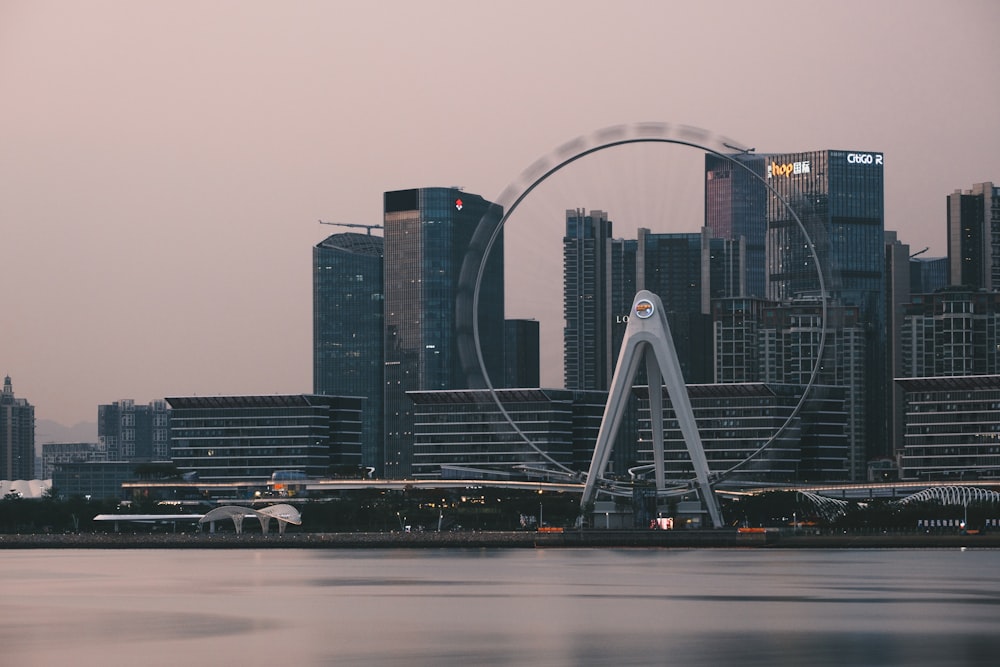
285,514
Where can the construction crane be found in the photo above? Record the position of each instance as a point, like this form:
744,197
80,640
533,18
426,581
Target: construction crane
351,224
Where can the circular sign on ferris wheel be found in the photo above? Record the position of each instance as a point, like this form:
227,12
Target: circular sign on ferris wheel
643,309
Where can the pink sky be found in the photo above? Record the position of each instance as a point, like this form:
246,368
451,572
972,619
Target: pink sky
163,164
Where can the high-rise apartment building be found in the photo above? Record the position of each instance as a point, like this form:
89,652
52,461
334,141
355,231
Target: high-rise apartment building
601,276
952,332
974,237
790,336
17,435
348,329
587,300
130,432
736,335
428,233
898,282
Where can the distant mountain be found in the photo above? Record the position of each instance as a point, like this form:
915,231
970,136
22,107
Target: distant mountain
47,431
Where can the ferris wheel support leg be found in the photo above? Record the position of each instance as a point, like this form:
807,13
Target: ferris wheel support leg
670,367
647,337
655,379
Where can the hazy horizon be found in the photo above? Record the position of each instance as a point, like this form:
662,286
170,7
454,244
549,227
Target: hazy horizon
165,164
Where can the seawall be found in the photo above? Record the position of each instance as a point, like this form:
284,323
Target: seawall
489,539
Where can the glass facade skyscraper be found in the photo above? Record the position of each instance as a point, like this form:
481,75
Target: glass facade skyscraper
348,327
839,197
687,271
735,208
428,232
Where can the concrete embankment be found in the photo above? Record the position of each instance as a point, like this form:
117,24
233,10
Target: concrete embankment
470,539
500,540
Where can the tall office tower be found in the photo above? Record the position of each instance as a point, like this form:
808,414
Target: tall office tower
348,327
928,274
898,274
974,237
789,342
839,197
428,232
624,255
130,432
736,208
955,331
17,435
522,358
587,300
687,271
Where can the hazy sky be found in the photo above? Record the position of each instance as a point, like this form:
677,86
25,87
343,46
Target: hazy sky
163,164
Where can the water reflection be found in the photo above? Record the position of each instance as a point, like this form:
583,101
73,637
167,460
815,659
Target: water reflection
496,607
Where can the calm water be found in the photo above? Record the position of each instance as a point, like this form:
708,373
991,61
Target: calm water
514,607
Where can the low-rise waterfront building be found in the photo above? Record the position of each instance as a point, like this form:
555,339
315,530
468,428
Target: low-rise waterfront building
464,434
952,427
736,419
54,453
248,438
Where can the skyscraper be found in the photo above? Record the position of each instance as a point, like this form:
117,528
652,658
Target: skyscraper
687,271
17,435
587,314
624,256
348,327
898,281
736,208
839,197
974,237
428,232
789,342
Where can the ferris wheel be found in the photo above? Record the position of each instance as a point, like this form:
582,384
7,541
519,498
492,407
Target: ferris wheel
559,164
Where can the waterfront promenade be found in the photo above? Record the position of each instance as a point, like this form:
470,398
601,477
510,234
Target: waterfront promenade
771,539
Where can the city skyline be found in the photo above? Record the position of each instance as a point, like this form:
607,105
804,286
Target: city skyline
165,166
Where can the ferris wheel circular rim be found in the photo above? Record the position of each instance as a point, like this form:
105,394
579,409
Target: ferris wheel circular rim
639,133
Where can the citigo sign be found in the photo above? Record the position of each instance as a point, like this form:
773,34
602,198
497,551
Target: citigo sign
864,158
